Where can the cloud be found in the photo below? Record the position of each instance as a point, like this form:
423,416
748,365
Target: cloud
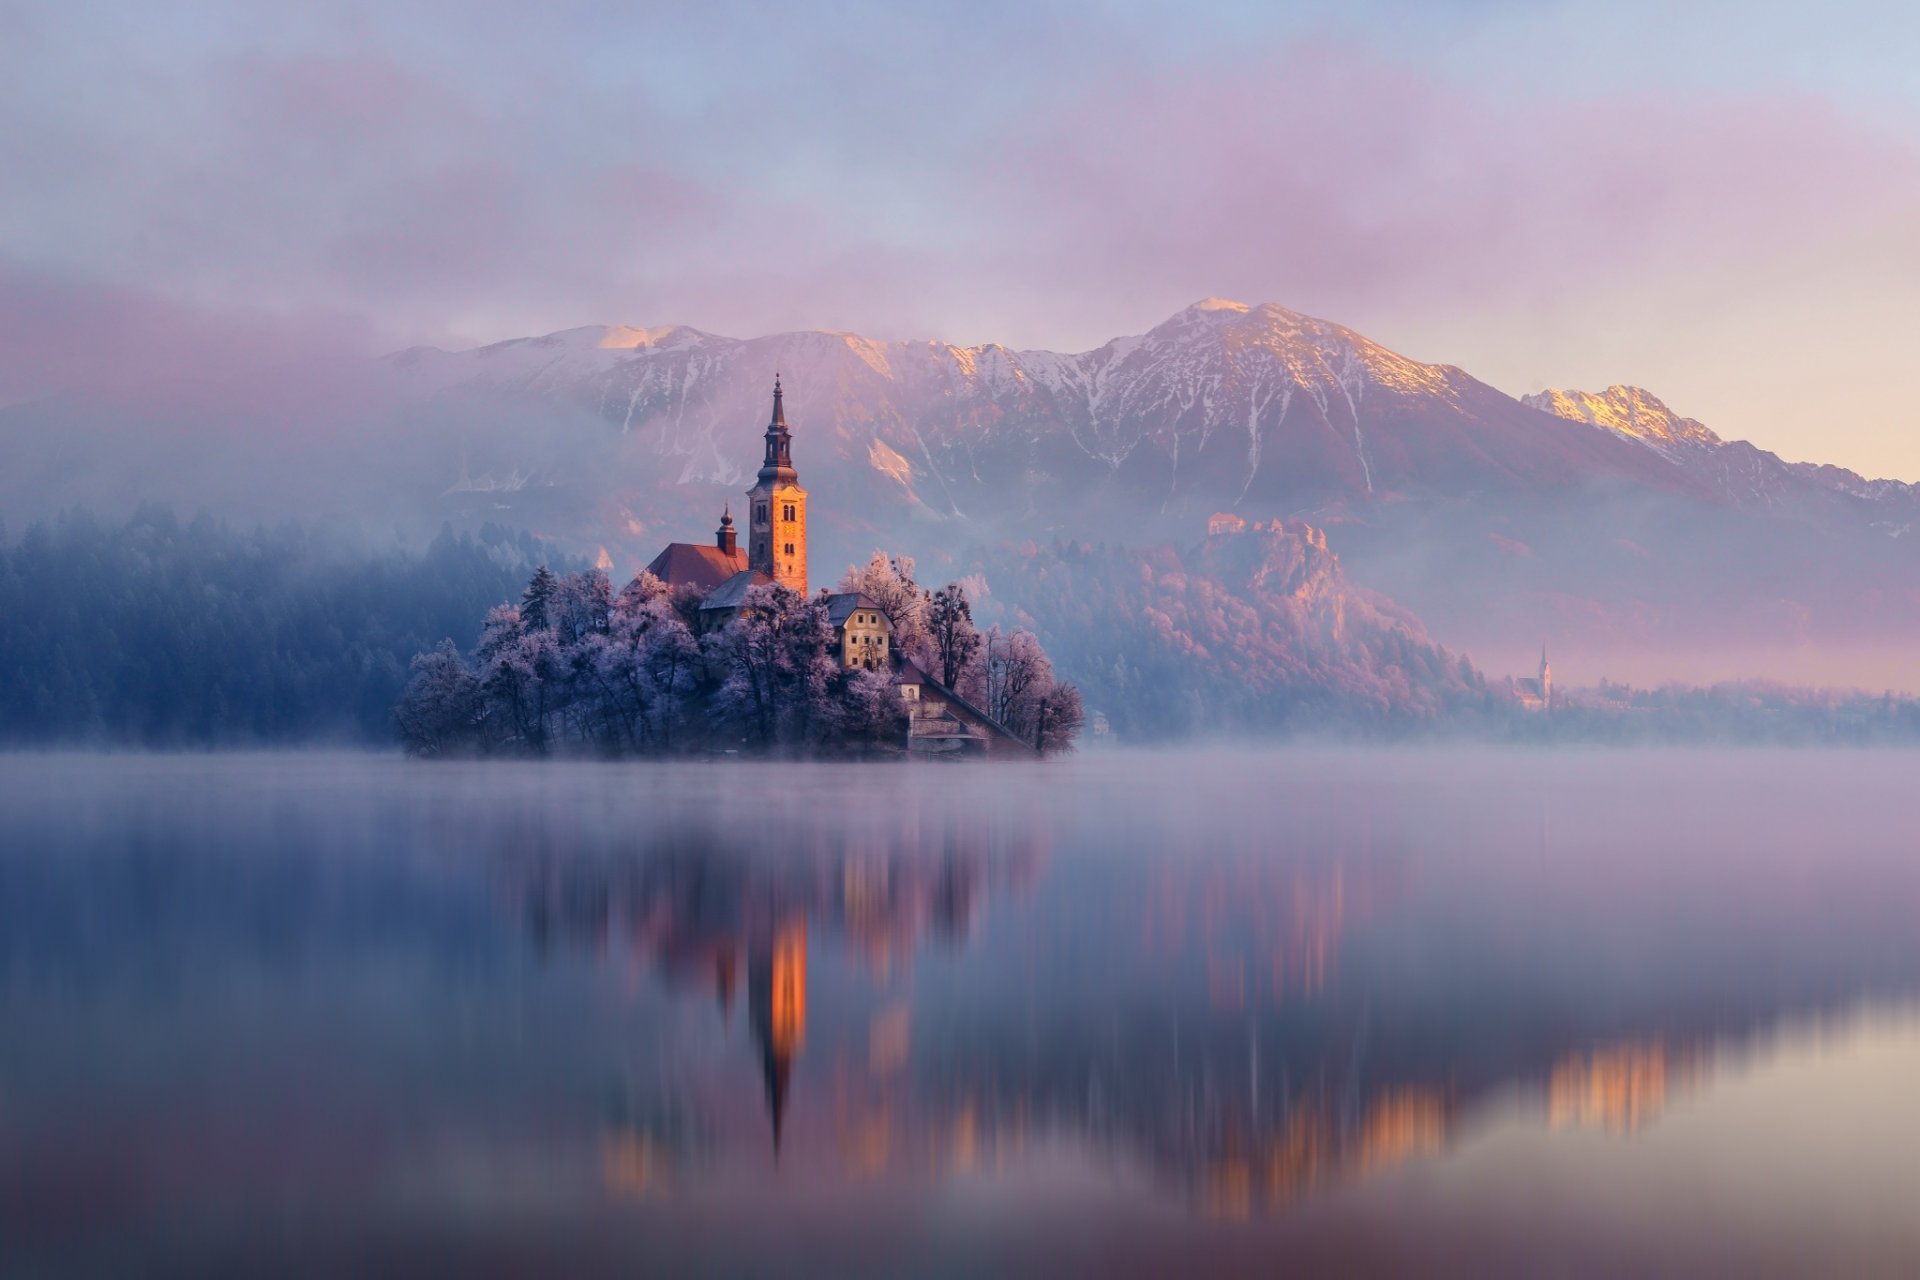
1051,176
1331,178
118,348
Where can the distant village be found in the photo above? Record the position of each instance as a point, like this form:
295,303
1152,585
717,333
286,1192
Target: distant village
713,647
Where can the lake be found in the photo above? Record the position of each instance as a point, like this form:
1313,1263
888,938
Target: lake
1433,1012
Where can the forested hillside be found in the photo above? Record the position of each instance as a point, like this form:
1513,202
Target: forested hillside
160,633
1255,630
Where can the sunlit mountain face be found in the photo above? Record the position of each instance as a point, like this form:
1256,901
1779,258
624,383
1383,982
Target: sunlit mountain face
1638,543
1200,1006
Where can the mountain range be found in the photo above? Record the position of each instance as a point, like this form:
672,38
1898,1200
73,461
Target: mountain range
1635,542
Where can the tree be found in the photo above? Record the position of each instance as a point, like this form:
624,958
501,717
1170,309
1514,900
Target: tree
439,713
643,588
580,604
517,664
644,666
1015,673
870,706
952,636
1058,718
536,602
619,673
777,655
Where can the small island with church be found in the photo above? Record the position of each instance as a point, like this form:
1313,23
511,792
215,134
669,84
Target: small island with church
715,649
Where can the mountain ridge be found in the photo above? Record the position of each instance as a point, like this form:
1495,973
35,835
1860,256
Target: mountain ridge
1639,543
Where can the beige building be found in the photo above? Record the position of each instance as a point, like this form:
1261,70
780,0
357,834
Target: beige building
862,632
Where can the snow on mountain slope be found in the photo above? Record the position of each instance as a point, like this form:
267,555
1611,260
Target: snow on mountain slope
1739,471
1631,412
1223,405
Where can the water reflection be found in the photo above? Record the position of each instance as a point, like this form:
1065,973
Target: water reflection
1620,1088
464,1005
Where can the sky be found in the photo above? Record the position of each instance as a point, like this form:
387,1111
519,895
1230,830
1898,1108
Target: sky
1717,201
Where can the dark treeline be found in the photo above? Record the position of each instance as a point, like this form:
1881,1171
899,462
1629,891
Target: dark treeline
576,667
161,633
1744,712
158,632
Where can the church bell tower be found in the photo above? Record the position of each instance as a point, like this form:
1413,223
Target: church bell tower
777,511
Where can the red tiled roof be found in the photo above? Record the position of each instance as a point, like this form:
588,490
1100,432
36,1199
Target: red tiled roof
692,564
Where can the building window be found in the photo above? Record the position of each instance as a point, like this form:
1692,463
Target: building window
759,513
789,548
786,512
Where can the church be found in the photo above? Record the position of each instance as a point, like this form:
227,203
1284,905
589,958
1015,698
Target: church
1535,693
776,553
939,720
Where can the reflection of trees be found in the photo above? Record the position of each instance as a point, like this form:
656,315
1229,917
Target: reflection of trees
1196,1015
708,899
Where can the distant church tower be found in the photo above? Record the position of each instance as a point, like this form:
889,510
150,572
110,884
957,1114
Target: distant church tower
1546,680
777,521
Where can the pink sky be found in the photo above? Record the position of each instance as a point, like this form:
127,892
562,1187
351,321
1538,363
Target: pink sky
1728,214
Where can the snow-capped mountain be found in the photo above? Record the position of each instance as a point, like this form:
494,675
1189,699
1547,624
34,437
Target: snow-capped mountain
1736,470
1637,542
1633,413
1622,532
1223,405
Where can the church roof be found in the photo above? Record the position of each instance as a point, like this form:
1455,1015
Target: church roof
732,593
841,604
693,564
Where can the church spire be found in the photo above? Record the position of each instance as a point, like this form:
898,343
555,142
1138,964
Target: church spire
779,440
777,523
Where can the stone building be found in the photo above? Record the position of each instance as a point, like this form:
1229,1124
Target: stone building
941,722
861,631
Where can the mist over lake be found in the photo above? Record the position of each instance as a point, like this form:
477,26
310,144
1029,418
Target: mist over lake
1435,1011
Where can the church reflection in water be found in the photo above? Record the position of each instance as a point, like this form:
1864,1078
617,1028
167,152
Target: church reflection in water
706,906
1185,1014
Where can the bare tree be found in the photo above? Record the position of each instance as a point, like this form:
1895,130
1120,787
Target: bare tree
952,637
777,656
439,714
1058,718
1015,670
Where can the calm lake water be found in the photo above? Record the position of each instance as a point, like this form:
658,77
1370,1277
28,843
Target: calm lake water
1347,1011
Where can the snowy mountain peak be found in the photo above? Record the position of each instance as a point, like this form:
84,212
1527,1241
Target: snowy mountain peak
1224,404
625,337
1631,412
